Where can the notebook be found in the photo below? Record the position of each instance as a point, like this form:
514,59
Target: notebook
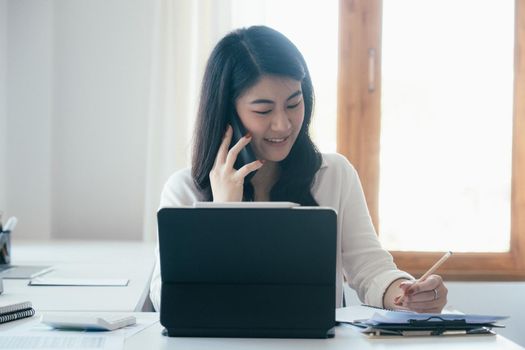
12,312
248,272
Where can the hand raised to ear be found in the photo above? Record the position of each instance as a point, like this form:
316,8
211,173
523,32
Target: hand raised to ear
227,183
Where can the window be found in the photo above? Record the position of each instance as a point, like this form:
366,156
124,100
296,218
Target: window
432,114
446,125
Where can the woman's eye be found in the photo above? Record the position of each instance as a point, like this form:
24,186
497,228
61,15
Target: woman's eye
263,112
295,105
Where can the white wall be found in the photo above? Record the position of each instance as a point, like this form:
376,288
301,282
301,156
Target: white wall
494,298
3,100
497,298
102,71
77,92
29,111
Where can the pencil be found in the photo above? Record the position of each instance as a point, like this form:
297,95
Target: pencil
435,266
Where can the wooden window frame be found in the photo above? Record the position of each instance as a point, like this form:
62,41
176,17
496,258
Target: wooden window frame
358,136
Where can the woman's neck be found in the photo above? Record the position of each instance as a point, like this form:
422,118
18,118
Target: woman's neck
263,181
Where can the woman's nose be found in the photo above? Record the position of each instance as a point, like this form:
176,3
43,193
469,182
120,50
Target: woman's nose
281,122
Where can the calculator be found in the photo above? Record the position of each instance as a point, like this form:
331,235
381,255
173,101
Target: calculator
88,322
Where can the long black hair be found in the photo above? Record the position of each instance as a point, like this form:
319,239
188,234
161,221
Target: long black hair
237,63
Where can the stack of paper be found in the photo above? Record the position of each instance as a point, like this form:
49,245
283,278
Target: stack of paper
378,322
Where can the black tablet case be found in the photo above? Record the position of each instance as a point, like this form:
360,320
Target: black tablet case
244,272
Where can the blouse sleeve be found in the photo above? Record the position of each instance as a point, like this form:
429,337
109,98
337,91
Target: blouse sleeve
369,268
178,191
156,282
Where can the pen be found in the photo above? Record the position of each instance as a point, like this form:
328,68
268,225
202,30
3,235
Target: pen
10,224
435,266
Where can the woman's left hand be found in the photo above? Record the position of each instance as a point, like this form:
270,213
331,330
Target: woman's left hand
429,296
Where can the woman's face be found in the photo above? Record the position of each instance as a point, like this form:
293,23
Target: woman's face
273,112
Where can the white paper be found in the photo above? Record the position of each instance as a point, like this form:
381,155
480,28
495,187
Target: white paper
352,313
385,316
35,335
375,315
96,282
60,341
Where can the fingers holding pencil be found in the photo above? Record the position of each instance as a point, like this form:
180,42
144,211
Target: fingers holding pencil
427,294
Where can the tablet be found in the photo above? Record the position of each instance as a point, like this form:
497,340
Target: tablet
245,205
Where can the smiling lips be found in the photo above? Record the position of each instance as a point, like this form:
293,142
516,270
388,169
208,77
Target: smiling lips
277,140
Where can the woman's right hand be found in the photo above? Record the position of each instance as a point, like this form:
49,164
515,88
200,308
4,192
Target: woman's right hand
227,183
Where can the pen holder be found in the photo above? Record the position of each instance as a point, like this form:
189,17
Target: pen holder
5,247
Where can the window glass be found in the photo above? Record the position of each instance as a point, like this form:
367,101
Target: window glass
446,125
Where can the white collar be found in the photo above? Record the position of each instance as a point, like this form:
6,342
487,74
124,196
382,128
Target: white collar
324,163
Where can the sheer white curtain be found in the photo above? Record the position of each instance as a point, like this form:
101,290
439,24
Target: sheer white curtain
186,31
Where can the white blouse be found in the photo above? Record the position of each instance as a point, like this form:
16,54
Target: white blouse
368,268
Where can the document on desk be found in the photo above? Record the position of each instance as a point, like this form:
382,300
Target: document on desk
387,316
59,341
378,315
35,335
381,322
95,282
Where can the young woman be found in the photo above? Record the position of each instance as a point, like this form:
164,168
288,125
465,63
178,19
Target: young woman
260,76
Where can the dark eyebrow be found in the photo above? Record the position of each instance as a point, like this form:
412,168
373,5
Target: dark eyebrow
262,101
297,93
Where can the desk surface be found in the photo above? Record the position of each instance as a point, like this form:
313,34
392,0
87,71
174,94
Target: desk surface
347,337
84,259
134,260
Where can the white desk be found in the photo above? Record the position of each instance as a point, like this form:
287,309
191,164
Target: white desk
134,260
84,259
346,338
